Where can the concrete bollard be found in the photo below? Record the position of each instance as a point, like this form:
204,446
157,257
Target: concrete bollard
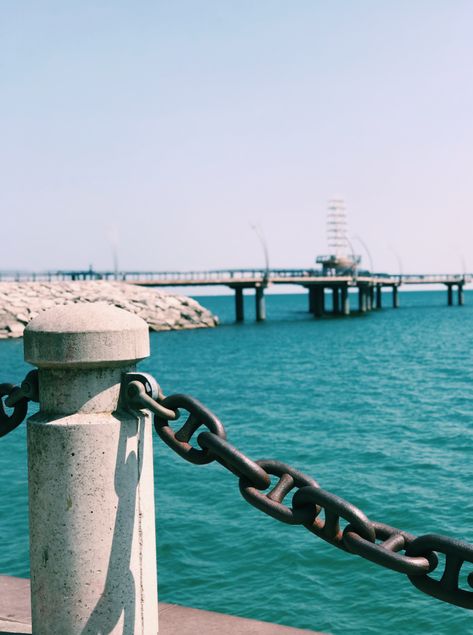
90,471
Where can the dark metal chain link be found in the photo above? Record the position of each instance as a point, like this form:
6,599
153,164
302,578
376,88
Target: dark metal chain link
380,543
17,397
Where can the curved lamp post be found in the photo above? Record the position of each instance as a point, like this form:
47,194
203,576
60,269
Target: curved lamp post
259,232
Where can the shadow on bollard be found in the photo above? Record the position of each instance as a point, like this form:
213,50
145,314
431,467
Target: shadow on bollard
128,471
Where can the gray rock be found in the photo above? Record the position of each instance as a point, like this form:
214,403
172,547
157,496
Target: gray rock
15,329
20,302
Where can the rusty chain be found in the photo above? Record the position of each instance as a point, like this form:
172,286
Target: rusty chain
380,543
17,397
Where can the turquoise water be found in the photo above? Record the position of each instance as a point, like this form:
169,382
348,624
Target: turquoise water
378,408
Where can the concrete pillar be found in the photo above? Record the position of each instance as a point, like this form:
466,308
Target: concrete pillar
371,298
319,301
362,299
239,306
379,296
90,474
395,297
312,299
345,300
449,295
461,296
260,304
336,301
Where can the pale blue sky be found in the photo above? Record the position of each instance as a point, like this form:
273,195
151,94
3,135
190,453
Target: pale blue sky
174,125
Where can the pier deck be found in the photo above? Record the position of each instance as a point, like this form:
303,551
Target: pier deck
317,282
15,617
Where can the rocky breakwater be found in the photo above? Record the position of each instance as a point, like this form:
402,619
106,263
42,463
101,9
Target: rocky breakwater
20,302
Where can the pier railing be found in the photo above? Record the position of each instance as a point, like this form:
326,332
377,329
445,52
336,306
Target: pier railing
229,276
315,281
90,472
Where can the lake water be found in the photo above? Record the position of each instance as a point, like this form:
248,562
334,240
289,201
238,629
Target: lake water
378,408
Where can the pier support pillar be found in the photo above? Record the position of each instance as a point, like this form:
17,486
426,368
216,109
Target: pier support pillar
312,299
379,297
260,304
449,295
395,297
90,477
239,306
370,298
362,299
336,301
319,304
345,300
461,296
369,305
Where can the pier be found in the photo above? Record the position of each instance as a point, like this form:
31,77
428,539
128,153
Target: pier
15,617
318,283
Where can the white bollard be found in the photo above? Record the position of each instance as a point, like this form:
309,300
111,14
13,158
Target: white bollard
90,467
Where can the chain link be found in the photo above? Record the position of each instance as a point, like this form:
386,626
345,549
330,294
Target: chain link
179,441
139,393
272,503
17,397
386,553
334,508
234,460
456,553
360,534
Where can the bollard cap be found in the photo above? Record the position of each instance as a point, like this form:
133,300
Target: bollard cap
85,335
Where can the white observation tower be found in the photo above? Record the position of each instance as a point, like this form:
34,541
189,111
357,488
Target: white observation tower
341,259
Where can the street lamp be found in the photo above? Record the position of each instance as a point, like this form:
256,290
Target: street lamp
365,247
259,232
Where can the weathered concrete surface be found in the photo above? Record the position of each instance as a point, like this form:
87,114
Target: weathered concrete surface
15,617
85,334
20,302
90,477
15,605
